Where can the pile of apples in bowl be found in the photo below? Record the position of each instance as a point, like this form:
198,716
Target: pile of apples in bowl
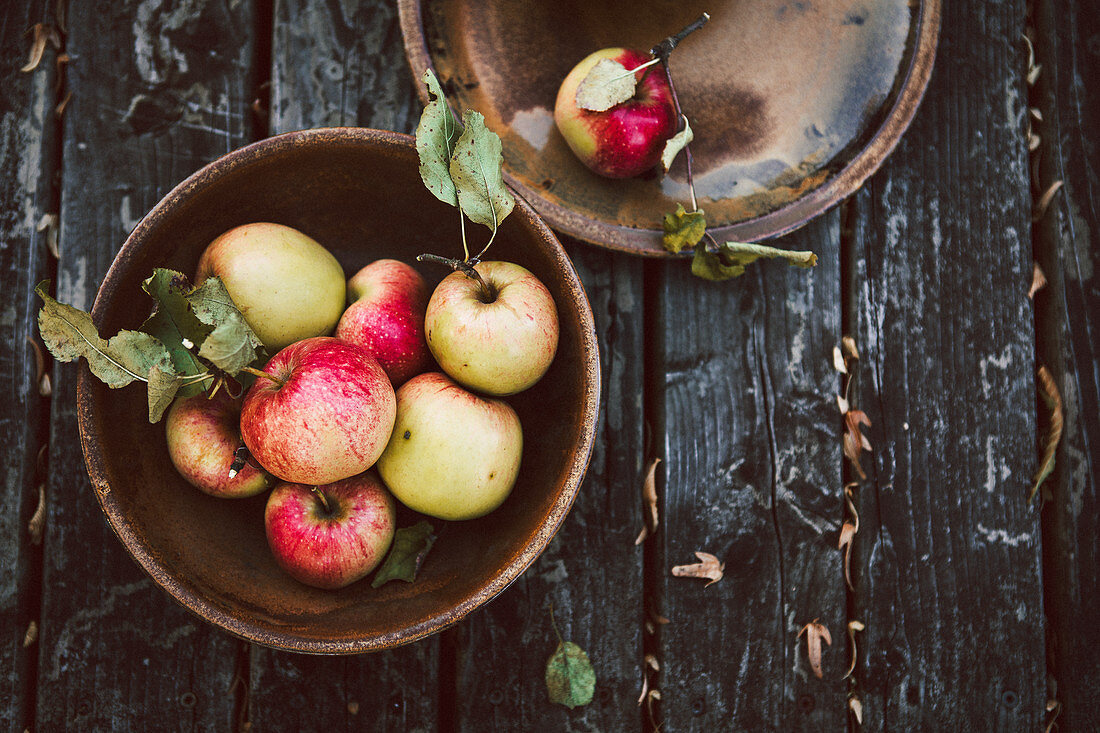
492,460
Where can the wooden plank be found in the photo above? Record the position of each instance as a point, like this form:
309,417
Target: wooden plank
1068,323
591,573
27,160
948,554
342,64
749,434
157,92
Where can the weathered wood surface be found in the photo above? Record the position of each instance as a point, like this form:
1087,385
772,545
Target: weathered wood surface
156,93
1068,321
349,74
27,152
748,428
947,561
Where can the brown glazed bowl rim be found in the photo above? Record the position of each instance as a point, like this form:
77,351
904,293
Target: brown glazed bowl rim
783,220
252,630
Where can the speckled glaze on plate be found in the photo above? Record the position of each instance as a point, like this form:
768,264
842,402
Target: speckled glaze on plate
793,103
357,192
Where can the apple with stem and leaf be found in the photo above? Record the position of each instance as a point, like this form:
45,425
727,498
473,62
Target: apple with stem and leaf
321,410
453,454
287,285
385,315
331,535
203,439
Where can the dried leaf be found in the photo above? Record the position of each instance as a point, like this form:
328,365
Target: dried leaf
43,33
847,534
174,322
1044,200
842,404
1048,390
731,259
709,567
645,688
1054,707
854,441
675,144
838,361
475,168
683,229
1038,281
1033,68
853,627
815,634
31,635
232,345
607,83
570,679
59,110
649,495
37,523
651,661
436,135
848,344
410,547
49,223
857,708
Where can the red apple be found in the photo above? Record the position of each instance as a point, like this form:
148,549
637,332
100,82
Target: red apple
385,315
287,285
203,438
325,416
627,139
499,339
454,454
332,535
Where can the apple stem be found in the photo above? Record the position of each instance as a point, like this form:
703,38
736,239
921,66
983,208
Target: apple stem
466,267
321,498
261,373
240,457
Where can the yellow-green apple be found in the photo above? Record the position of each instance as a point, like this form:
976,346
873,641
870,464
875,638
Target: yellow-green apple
203,438
332,535
453,454
627,139
385,314
324,413
287,285
497,335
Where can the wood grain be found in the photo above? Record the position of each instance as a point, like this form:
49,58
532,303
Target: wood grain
948,555
27,162
342,64
157,92
749,431
591,573
1068,323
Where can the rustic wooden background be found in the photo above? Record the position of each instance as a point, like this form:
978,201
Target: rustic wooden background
979,609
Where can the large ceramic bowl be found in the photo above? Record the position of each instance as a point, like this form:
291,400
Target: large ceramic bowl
793,104
358,192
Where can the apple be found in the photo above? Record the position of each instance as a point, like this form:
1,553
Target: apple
498,339
332,535
627,139
286,284
385,314
203,438
453,455
325,412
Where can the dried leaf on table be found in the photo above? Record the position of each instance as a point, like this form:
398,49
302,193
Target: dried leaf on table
649,495
815,634
1048,390
708,567
731,259
848,344
1044,200
853,627
847,534
43,34
570,679
856,707
31,634
1038,281
838,361
37,522
854,441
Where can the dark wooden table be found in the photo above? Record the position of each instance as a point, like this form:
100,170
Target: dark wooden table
979,609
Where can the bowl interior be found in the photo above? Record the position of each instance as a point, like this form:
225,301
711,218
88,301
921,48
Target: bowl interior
357,192
792,104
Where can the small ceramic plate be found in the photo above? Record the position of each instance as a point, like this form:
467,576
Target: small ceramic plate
793,103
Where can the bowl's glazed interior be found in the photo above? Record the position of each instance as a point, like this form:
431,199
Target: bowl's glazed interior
792,104
357,192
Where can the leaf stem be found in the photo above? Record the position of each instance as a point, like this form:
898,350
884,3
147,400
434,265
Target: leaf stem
664,48
261,373
680,126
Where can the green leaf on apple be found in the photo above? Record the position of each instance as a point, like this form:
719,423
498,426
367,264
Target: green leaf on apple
683,229
731,259
410,546
232,345
570,679
675,144
173,322
476,171
607,83
436,135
